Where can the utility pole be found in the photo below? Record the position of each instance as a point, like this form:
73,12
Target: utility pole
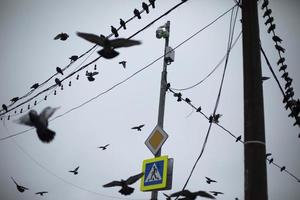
254,128
163,86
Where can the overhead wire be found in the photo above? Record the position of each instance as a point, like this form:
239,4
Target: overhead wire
126,79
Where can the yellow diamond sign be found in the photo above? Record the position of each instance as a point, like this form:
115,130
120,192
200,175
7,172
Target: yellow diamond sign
156,139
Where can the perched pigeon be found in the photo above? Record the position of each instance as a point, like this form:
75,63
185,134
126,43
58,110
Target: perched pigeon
269,21
75,171
123,63
271,160
276,39
198,109
264,78
123,23
265,4
114,31
145,7
138,128
40,122
267,13
35,86
15,99
59,70
215,193
137,13
19,187
4,107
90,75
61,36
108,45
42,193
73,58
238,138
125,190
209,180
283,68
103,147
280,48
282,168
271,28
152,2
192,195
57,81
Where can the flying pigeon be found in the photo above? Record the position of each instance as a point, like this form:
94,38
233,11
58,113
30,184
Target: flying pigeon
136,12
61,36
35,86
215,193
123,23
145,7
15,99
103,147
19,187
114,31
40,122
123,63
108,45
192,195
75,171
42,193
90,75
138,128
125,190
276,39
152,2
209,180
59,70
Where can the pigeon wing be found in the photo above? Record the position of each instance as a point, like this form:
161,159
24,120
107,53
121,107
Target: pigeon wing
122,42
185,193
133,179
113,184
57,36
204,194
48,112
25,119
91,38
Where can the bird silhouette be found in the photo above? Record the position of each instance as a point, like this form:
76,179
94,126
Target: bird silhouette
41,193
268,154
145,7
279,48
209,180
57,81
265,4
271,160
59,70
61,36
125,189
114,31
90,75
271,28
104,147
75,171
280,60
282,168
35,86
264,78
4,107
198,109
269,21
187,100
73,58
238,138
192,195
276,39
123,63
40,122
215,193
109,46
123,24
267,13
136,13
283,68
138,128
152,2
20,188
15,99
214,118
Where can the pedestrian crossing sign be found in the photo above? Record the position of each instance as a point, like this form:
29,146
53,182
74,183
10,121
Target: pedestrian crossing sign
155,173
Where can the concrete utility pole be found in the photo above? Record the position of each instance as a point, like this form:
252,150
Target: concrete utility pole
254,136
162,97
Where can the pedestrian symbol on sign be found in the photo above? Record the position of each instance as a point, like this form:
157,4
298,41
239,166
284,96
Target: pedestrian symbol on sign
153,175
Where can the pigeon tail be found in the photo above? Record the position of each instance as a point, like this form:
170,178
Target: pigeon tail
126,190
45,135
108,54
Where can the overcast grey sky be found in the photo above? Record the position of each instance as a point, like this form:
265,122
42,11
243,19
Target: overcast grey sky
29,54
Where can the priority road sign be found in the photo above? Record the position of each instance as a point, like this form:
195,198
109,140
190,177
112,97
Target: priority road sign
155,173
156,139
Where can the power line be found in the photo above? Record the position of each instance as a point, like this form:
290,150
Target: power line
121,82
